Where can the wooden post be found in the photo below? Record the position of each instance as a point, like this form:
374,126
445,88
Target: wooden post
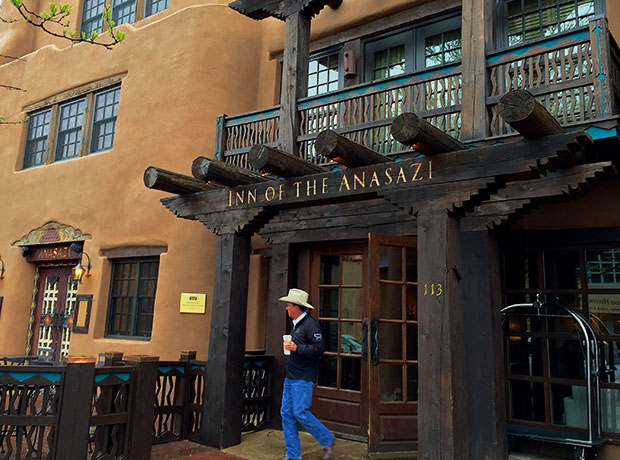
142,405
221,137
74,411
529,117
336,147
280,279
223,405
441,390
601,51
294,78
477,35
484,379
113,358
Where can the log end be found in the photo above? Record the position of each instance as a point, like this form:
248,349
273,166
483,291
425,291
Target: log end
150,176
257,156
326,142
405,128
200,166
516,106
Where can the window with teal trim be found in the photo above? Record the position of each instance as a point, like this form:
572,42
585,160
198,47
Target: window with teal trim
323,74
527,20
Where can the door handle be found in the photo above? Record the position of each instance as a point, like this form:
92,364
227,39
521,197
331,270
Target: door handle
365,339
374,341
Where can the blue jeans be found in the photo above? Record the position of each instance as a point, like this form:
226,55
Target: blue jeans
296,400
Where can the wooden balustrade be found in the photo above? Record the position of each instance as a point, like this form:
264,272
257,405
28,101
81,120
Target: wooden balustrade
575,76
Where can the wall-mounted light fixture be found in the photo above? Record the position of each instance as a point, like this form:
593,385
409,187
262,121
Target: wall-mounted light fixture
79,271
2,269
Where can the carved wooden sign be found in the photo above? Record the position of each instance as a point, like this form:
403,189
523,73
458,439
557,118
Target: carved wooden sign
52,253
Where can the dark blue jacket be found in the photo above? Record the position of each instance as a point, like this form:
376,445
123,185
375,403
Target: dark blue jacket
303,364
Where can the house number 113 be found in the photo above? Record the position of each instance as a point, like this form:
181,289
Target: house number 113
433,289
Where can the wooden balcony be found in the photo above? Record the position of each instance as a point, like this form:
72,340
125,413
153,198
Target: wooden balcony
575,75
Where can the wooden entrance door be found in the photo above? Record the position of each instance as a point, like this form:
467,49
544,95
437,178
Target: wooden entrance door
53,316
339,293
393,344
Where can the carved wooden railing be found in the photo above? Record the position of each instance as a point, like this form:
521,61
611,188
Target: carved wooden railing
30,400
364,113
573,75
256,385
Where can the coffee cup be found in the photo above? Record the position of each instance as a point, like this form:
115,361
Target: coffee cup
286,338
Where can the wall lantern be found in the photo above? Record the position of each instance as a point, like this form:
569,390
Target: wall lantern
2,270
79,271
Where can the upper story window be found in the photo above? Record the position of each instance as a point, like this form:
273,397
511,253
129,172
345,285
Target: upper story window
415,49
65,130
123,11
526,20
324,74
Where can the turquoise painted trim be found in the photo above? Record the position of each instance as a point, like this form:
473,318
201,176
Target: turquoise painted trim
22,376
544,44
166,369
202,368
597,133
601,75
363,89
258,363
124,376
236,119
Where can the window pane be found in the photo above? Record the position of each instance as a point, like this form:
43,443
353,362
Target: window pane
605,312
351,303
521,271
412,342
330,270
36,138
155,6
390,341
70,121
352,269
92,13
412,383
525,355
562,270
567,358
330,335
350,373
123,11
527,401
391,382
391,296
328,371
351,338
323,74
328,303
569,405
104,120
603,268
390,263
610,409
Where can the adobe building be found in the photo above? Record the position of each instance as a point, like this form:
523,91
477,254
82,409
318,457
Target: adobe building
457,234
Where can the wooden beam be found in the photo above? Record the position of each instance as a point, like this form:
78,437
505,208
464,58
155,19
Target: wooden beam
222,173
280,9
531,119
171,182
282,164
336,147
417,133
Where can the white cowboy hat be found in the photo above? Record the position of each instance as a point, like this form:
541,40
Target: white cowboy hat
298,297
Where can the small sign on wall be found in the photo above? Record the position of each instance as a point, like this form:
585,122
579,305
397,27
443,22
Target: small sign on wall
193,303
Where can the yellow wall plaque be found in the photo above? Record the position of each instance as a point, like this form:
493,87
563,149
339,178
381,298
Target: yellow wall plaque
193,303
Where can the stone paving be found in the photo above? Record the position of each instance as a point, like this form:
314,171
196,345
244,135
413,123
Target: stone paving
269,445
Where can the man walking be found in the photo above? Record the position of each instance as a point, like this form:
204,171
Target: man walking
306,348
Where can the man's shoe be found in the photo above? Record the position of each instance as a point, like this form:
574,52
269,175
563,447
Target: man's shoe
328,452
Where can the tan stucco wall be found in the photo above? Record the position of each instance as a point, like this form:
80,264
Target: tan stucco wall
177,82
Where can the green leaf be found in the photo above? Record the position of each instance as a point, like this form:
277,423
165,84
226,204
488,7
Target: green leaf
72,34
83,36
